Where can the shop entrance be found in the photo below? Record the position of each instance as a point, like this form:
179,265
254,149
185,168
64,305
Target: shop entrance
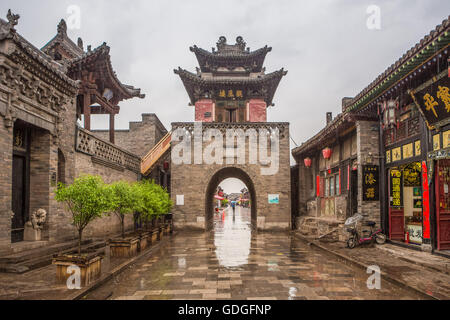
443,204
405,203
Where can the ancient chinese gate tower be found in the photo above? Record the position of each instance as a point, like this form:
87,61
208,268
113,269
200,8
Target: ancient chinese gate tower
231,91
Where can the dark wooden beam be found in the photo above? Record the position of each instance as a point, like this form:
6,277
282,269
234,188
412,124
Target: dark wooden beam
111,127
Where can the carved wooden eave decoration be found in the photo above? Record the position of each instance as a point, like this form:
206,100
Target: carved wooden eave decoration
262,86
97,63
231,56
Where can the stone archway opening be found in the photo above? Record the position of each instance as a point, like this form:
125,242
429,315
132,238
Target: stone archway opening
216,180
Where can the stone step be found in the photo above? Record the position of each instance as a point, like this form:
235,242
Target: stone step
46,259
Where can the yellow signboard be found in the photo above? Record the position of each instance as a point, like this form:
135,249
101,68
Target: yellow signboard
446,139
388,156
408,151
417,147
397,154
436,142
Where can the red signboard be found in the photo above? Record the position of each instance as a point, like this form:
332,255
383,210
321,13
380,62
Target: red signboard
426,202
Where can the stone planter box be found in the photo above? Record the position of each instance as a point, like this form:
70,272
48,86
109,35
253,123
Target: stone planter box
160,232
90,265
144,240
166,229
124,248
155,236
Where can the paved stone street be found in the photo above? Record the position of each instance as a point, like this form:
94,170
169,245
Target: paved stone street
234,263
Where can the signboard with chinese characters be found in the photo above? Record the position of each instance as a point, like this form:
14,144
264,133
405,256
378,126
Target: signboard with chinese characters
434,101
230,93
446,139
371,185
408,151
417,147
397,154
388,156
396,199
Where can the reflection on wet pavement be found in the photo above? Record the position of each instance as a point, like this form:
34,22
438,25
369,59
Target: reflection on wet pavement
234,262
232,236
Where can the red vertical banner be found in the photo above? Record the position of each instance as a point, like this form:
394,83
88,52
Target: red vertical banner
426,201
318,185
348,177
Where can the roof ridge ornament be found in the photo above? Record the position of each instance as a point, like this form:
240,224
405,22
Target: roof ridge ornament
221,43
12,19
241,43
62,27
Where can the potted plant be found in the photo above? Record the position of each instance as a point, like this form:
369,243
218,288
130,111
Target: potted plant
87,199
123,197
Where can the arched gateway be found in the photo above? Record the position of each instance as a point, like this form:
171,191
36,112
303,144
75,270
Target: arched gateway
216,179
230,138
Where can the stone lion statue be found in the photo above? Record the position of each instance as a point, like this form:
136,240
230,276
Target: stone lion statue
38,218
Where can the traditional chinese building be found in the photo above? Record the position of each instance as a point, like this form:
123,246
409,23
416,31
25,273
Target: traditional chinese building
43,93
337,174
230,92
100,90
410,100
231,84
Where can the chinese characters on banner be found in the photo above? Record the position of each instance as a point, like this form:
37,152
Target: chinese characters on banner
396,188
371,187
434,101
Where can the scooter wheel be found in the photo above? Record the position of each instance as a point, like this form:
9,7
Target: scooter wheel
351,243
380,238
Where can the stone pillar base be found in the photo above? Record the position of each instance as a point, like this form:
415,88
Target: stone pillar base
31,234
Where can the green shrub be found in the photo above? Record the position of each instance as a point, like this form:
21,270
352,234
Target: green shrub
153,201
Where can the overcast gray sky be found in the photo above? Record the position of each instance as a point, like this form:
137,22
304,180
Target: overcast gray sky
325,45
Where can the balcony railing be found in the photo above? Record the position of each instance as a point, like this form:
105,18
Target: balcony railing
106,152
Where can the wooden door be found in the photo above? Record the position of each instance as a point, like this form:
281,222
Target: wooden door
18,198
396,210
443,204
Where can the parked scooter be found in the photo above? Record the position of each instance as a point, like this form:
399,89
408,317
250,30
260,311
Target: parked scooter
369,236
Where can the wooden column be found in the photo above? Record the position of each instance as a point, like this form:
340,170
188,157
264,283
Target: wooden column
111,127
87,110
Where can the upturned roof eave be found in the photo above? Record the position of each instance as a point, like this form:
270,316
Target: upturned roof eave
428,46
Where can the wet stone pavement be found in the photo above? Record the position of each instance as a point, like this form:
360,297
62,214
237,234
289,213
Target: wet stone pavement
232,262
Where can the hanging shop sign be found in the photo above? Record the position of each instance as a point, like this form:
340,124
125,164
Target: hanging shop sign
434,101
396,197
371,185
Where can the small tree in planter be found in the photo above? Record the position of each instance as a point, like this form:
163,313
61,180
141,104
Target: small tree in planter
87,199
123,197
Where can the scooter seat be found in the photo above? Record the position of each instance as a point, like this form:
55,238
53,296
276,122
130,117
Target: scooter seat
370,223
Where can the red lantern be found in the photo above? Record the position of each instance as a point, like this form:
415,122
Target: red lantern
326,153
166,165
307,162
